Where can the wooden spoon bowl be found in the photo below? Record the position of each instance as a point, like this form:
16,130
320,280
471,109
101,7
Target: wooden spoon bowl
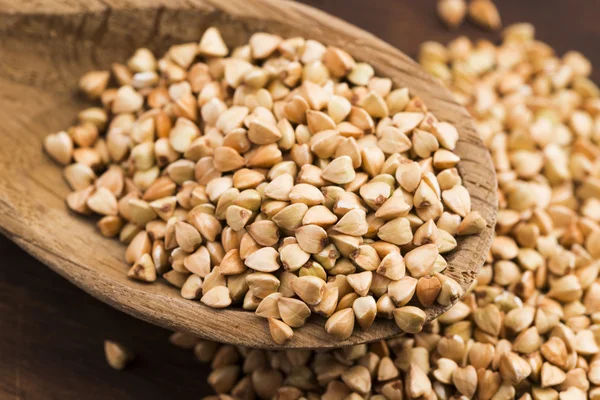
46,48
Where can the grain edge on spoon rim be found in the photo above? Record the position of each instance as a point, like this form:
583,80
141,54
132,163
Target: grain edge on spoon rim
161,304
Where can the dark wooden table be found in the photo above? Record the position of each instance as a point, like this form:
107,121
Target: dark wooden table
51,333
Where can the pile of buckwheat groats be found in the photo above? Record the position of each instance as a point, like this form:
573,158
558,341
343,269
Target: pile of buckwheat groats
529,327
285,178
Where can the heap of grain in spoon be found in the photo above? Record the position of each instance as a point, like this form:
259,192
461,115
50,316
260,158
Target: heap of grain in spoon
282,176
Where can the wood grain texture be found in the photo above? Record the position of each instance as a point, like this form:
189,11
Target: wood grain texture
49,45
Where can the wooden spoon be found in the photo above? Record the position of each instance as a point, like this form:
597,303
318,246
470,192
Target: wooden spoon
45,49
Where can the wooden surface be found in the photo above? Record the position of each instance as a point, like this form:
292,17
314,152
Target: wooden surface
40,76
51,332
